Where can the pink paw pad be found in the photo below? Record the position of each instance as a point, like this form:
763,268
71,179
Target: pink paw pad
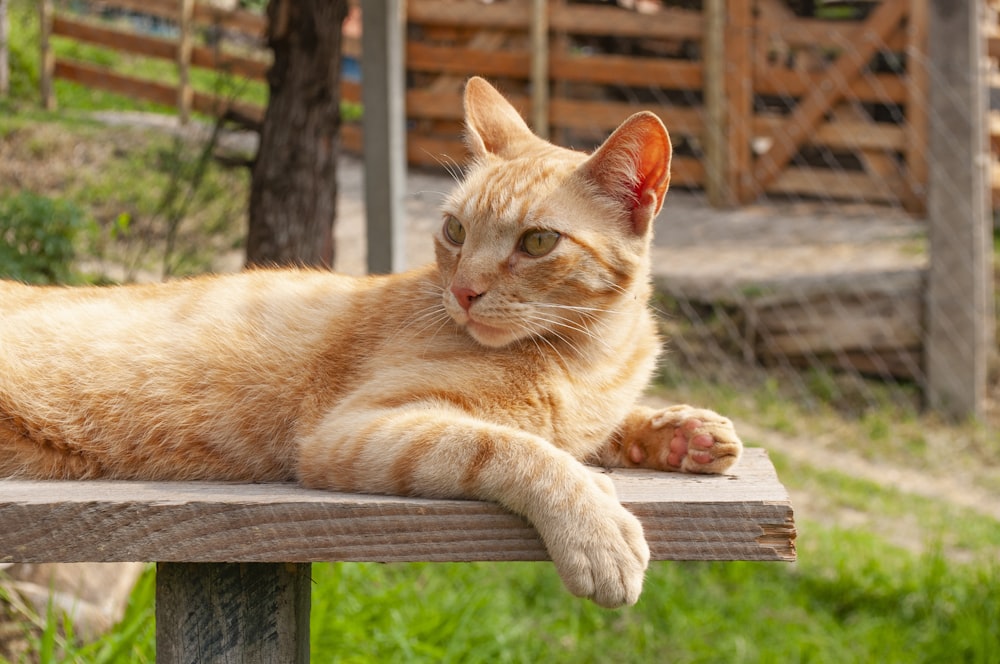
686,443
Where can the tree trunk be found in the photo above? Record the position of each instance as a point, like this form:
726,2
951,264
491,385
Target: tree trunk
294,189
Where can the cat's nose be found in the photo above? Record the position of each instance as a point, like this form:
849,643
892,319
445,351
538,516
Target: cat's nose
465,296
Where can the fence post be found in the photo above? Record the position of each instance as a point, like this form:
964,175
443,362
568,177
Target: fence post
185,93
716,188
48,57
739,99
728,100
383,92
917,87
540,67
959,299
255,613
4,50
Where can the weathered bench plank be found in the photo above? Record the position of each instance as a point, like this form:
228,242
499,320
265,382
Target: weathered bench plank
745,516
233,559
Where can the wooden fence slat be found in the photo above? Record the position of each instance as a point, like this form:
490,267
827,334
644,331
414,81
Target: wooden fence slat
350,91
843,135
511,15
873,88
156,47
118,40
435,151
605,116
433,105
104,79
624,70
842,184
211,58
467,61
811,109
667,23
687,172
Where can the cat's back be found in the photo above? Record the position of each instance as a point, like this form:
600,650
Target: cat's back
220,370
168,314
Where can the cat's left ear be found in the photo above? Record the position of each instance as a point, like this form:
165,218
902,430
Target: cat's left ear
633,166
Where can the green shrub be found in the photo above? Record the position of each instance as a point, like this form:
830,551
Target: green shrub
37,238
23,50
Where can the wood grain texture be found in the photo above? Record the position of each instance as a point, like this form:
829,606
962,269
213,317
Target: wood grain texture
745,516
251,613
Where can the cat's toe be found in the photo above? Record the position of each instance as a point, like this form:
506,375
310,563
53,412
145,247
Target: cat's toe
604,557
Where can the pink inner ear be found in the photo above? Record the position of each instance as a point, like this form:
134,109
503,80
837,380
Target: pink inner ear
633,165
653,167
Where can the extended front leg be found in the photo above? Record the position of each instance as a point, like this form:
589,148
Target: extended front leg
680,438
436,450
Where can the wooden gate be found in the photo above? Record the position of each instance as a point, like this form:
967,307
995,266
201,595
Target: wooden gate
840,104
759,100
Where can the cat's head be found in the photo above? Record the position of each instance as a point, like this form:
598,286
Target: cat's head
541,241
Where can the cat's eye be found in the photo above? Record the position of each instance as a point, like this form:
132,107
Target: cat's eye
538,242
454,230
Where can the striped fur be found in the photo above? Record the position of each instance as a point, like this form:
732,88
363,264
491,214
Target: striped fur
493,374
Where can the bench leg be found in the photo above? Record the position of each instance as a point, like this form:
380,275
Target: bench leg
232,612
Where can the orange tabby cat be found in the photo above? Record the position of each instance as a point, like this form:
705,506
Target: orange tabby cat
494,375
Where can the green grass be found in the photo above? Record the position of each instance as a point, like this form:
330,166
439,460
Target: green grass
861,601
850,598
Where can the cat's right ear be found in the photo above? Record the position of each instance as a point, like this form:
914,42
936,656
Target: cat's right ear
633,166
492,125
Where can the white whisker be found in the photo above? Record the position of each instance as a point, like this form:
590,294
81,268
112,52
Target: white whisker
569,324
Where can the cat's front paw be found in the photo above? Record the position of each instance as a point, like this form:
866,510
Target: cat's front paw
601,552
684,438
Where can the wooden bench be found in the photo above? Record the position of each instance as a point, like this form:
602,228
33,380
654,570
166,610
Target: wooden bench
233,560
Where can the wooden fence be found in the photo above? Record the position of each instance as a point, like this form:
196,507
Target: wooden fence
758,100
189,18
